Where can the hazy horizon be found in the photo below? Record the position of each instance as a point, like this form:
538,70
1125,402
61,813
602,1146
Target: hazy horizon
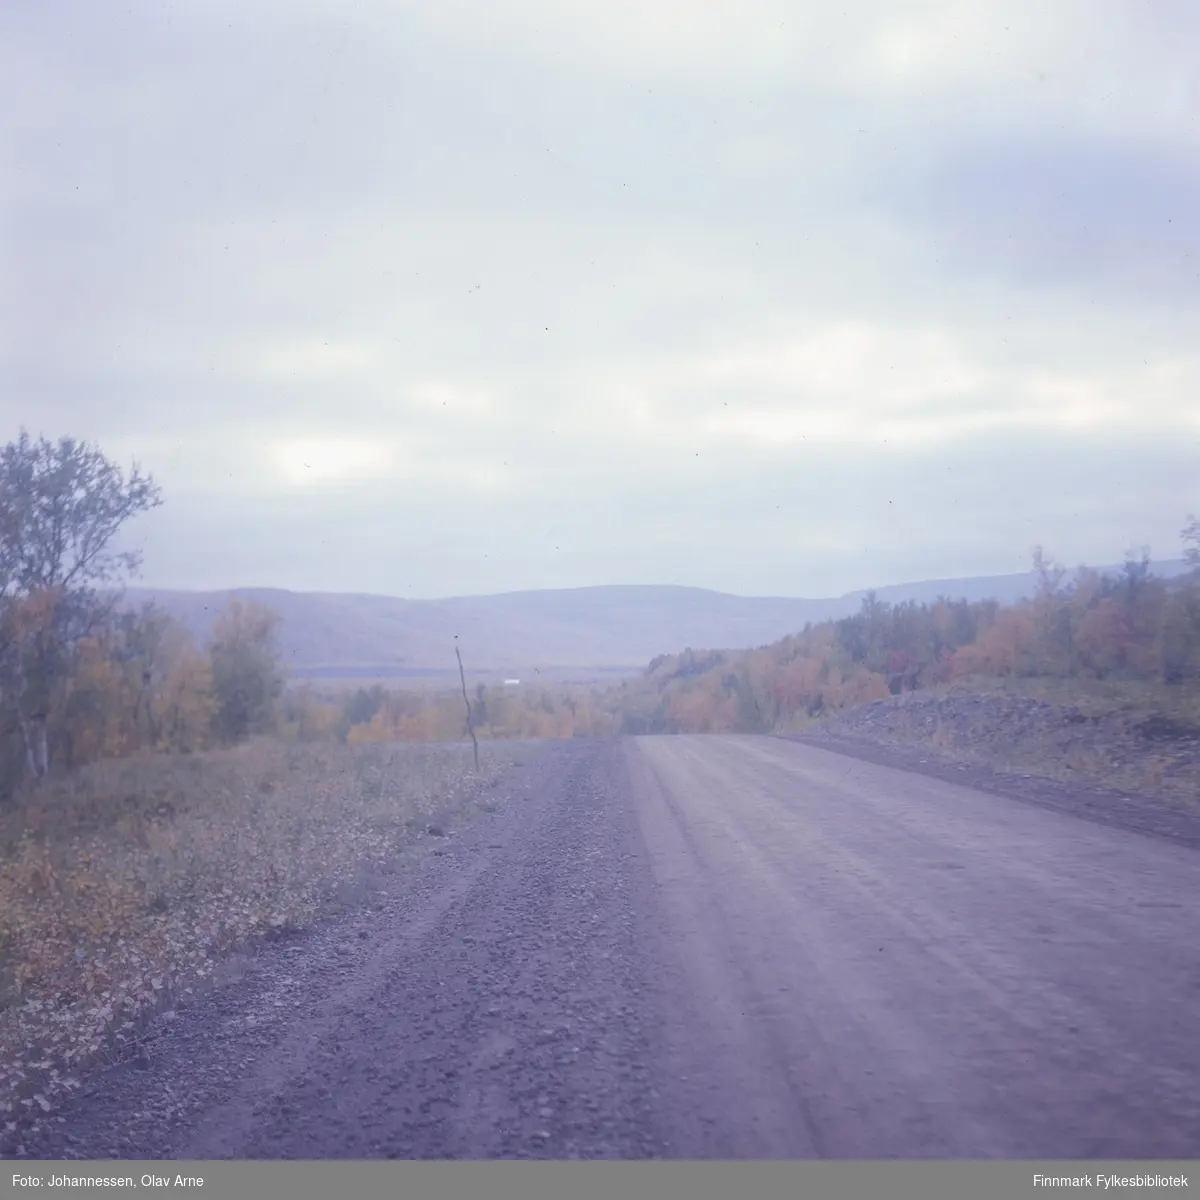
430,300
1175,566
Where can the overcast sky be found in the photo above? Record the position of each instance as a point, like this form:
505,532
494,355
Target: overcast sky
445,297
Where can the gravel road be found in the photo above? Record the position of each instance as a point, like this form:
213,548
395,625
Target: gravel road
708,946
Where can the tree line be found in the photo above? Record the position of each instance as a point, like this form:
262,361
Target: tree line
1092,625
81,676
377,714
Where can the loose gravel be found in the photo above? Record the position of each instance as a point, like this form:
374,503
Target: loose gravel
488,1006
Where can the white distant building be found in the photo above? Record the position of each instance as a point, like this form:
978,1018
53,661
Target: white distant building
511,682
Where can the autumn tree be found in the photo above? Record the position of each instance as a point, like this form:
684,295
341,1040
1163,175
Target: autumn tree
169,679
247,681
309,717
1103,637
1179,636
1179,640
863,637
140,683
360,706
1054,649
62,506
93,719
1191,541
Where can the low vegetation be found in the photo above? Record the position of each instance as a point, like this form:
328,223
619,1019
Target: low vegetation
124,884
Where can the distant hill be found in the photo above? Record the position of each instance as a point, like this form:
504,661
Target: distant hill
331,634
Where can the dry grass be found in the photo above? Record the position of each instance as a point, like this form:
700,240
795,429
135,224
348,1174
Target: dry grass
123,885
1134,700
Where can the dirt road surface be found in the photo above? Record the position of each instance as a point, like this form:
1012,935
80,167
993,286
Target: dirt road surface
709,947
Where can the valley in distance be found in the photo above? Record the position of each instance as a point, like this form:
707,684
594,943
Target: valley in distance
554,636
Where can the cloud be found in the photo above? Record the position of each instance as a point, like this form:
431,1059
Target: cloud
1064,211
314,358
818,521
930,43
330,460
454,297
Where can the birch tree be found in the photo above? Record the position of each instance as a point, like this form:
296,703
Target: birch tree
62,506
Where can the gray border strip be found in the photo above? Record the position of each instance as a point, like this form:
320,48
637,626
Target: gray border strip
582,1181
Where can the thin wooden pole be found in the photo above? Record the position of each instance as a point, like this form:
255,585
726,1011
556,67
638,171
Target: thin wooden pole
470,726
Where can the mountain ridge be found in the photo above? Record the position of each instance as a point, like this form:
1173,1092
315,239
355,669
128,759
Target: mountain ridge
607,626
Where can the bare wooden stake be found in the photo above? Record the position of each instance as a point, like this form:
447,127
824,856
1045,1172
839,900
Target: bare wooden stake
470,726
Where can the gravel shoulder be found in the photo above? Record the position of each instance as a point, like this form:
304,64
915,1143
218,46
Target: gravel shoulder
482,1008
